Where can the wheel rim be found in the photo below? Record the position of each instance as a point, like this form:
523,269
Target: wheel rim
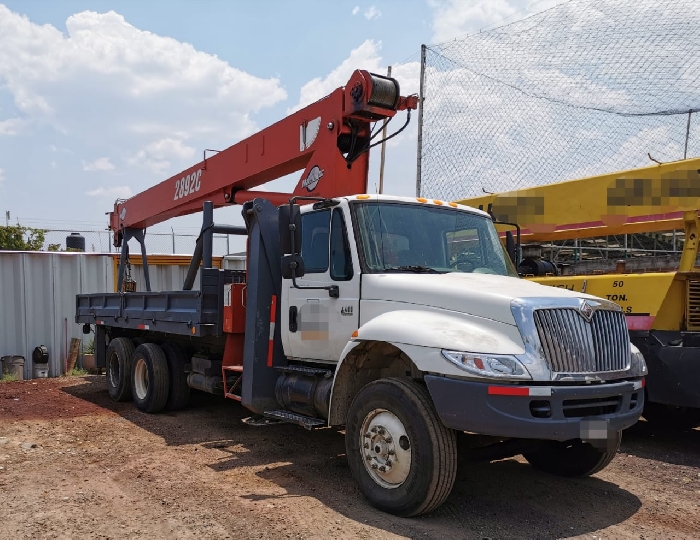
386,448
113,370
141,378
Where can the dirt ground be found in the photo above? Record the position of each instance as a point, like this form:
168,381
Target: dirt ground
73,464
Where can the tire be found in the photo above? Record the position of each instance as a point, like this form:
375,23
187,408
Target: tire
149,380
179,391
401,418
573,458
118,369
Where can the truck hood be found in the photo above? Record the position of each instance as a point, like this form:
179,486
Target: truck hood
480,295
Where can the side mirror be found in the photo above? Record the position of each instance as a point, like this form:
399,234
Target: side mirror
292,266
290,229
511,247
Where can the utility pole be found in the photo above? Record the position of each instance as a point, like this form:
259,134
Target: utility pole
7,218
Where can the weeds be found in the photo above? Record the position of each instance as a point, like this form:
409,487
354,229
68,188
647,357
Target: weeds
9,377
76,372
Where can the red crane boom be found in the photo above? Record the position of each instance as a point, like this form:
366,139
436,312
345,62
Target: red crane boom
328,139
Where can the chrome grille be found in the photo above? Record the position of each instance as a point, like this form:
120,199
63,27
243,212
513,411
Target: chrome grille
571,344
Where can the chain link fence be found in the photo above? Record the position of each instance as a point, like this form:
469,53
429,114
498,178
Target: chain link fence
100,241
584,88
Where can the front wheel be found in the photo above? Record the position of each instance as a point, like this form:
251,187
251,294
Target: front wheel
573,458
401,455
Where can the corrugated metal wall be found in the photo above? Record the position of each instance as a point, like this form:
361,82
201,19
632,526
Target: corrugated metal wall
37,301
38,289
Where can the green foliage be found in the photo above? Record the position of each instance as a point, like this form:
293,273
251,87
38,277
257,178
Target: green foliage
76,372
54,247
9,377
18,238
90,347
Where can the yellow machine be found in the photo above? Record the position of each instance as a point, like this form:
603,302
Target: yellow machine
662,308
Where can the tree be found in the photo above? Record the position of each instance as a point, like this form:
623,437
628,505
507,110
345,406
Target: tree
18,238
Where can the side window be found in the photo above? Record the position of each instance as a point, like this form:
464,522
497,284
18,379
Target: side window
341,261
314,243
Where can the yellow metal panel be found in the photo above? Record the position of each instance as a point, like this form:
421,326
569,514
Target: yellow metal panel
640,200
638,294
671,314
155,260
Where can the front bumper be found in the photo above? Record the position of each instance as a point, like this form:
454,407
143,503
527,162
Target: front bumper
534,412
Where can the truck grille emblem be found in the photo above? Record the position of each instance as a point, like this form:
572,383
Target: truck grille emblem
586,310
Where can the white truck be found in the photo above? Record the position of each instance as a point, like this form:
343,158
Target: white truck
402,319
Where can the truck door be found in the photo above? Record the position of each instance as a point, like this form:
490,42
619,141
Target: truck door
315,325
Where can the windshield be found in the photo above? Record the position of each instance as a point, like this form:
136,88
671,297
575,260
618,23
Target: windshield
398,237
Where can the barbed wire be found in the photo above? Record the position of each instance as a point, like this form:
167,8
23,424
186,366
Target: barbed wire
580,89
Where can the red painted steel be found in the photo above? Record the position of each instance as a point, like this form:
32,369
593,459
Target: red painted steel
273,320
307,140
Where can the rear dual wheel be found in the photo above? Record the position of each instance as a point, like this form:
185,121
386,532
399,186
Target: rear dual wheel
119,366
179,391
150,380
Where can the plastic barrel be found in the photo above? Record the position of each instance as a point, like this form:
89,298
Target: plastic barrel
40,355
13,366
41,371
75,241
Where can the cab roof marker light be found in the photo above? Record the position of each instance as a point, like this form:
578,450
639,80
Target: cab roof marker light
453,205
438,202
421,199
362,197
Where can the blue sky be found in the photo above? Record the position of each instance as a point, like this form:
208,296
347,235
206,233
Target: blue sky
102,99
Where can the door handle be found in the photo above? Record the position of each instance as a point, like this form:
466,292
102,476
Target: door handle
293,318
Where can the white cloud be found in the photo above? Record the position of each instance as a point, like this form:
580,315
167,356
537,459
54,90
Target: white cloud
114,192
401,151
366,56
2,176
100,164
454,18
372,12
355,10
108,84
55,148
11,126
156,156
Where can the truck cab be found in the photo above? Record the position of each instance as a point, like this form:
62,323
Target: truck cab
422,292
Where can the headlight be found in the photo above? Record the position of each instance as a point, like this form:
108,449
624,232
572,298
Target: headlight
638,367
489,365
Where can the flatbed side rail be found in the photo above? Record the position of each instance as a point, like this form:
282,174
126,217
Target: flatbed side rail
189,313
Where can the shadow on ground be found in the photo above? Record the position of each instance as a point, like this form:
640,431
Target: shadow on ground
673,445
504,499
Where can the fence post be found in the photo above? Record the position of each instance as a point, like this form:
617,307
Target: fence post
687,135
421,97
